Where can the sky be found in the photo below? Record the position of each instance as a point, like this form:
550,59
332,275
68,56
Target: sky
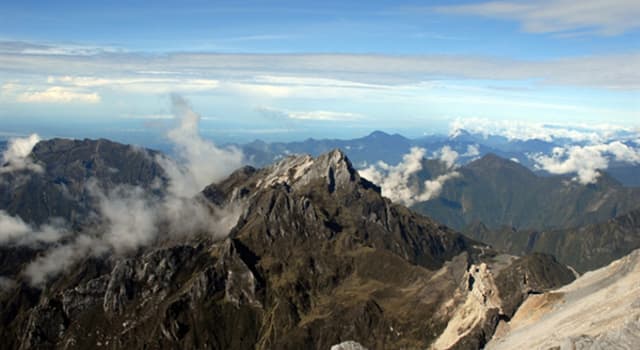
288,70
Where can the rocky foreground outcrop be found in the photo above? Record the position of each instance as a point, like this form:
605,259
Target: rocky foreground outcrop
318,258
599,310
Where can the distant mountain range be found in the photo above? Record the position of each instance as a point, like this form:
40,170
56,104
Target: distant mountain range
380,146
390,148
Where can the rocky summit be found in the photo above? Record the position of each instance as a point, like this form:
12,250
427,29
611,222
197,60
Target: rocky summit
318,259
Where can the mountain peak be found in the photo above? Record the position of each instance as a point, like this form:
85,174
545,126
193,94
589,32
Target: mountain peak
378,133
296,171
493,161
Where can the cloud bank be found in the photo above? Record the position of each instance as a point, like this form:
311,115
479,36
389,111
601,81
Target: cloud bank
525,130
398,182
585,161
277,73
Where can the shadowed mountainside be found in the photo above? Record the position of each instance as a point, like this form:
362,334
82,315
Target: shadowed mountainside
499,192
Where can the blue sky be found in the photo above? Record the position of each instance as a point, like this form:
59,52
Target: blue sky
285,70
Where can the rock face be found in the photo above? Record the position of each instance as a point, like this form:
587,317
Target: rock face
317,258
599,310
492,292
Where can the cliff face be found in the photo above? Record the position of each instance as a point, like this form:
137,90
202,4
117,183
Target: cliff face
317,258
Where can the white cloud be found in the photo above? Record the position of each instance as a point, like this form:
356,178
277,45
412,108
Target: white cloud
26,48
308,115
432,188
138,84
129,217
586,160
14,230
202,161
447,155
395,181
16,156
61,258
526,130
272,91
58,94
281,75
323,115
472,151
560,16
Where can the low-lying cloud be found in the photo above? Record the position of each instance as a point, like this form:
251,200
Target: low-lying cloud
586,161
13,230
398,182
447,155
129,217
16,156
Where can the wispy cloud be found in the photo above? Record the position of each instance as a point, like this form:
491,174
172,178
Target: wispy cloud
31,48
621,71
58,94
138,84
320,115
128,217
559,16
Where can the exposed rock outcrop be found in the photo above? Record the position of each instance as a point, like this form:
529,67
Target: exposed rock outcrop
599,310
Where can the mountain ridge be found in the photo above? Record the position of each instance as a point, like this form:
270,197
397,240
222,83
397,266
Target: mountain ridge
316,257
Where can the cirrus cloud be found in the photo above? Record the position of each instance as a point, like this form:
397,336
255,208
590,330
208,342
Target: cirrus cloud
58,94
610,17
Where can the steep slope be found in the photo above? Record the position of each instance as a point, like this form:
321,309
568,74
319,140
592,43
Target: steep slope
584,248
599,310
499,192
60,190
317,258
